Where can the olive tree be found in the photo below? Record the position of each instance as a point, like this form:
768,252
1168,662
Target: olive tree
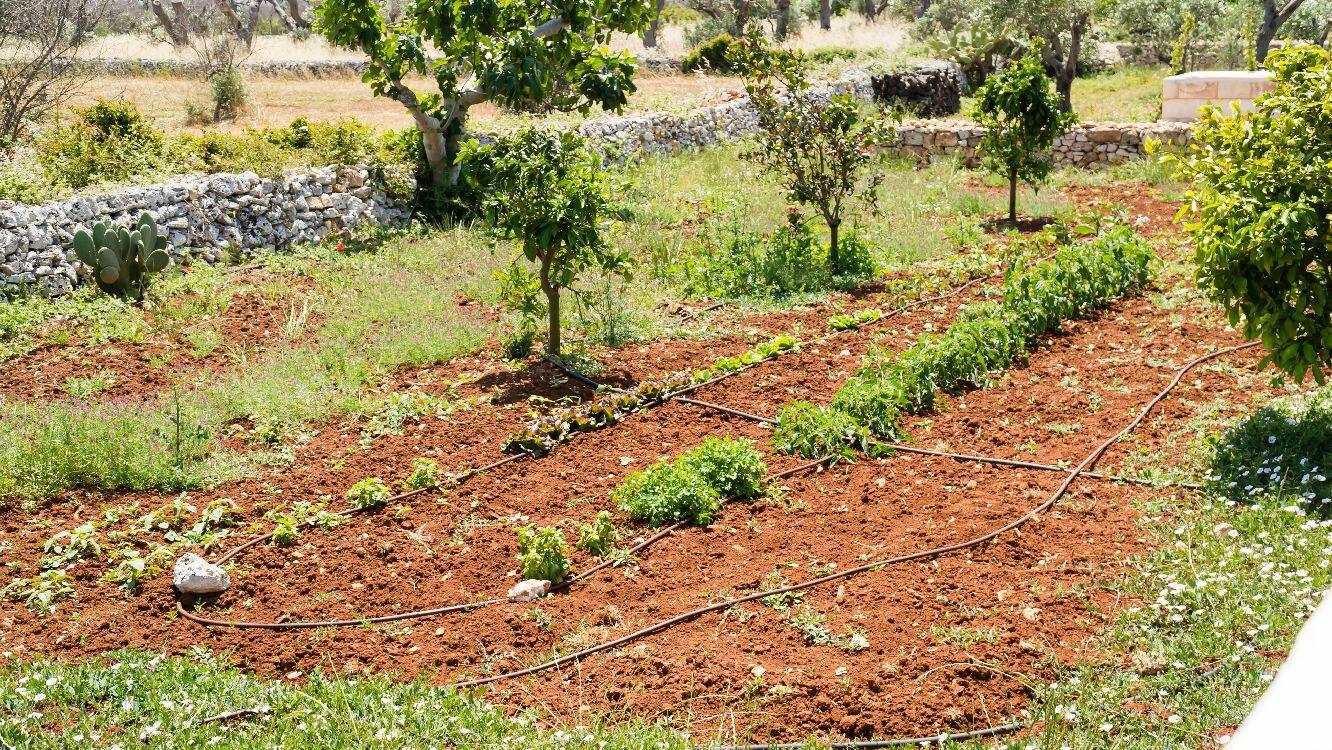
820,145
547,191
1259,212
509,52
1022,118
39,44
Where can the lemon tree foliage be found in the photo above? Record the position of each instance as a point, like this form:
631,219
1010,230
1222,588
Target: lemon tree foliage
819,145
547,191
1022,118
486,50
1261,212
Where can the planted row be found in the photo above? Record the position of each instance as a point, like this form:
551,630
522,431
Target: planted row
559,425
987,338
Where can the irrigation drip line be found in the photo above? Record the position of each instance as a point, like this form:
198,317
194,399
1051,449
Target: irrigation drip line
937,739
988,536
726,409
448,609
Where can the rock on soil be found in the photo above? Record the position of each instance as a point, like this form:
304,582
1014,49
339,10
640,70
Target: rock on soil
195,575
526,591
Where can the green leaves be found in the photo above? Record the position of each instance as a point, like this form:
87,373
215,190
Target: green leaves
693,487
543,554
1261,212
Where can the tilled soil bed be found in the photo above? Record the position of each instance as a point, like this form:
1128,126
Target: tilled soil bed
945,644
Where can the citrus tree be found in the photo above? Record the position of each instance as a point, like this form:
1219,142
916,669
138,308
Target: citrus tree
510,52
820,145
1260,210
547,191
1022,118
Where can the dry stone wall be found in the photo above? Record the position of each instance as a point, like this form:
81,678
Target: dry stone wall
205,217
1089,145
208,216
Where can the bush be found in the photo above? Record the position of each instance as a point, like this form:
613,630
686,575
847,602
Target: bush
598,536
714,56
1282,447
368,493
729,465
668,493
1260,212
108,141
678,14
230,94
543,554
813,431
732,262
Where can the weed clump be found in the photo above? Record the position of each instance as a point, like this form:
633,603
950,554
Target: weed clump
693,487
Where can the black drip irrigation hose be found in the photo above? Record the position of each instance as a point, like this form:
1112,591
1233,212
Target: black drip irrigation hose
442,610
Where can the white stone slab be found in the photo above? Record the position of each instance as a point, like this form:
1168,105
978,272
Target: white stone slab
1183,95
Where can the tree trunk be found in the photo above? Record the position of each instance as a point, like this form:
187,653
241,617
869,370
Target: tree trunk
834,255
1012,198
294,10
922,7
783,21
650,32
552,308
1273,18
825,14
176,26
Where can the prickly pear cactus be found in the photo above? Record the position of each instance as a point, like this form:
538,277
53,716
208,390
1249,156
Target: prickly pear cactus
122,259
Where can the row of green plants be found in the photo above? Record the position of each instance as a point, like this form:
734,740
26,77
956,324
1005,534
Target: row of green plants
559,425
130,547
988,337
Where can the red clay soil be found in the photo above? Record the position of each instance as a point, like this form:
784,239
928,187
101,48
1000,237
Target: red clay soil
947,644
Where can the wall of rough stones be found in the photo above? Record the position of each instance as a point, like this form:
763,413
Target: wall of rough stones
204,217
1089,145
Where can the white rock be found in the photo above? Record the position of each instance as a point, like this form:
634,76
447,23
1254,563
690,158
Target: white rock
195,575
526,591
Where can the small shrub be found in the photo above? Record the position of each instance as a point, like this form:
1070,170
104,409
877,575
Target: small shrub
813,431
679,15
668,493
1021,117
874,403
543,554
229,93
425,475
598,536
1260,204
731,466
518,345
716,55
368,493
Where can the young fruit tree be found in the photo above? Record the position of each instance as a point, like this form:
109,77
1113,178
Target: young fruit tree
547,191
511,52
819,145
1259,212
1021,118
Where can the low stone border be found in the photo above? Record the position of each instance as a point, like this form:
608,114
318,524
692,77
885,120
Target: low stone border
1089,145
205,217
